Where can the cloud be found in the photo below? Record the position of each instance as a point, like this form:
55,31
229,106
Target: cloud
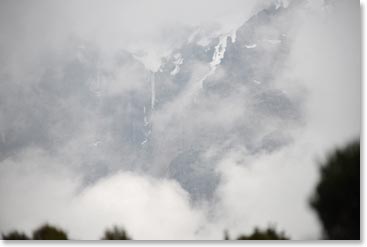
32,28
82,147
137,202
275,187
268,189
326,57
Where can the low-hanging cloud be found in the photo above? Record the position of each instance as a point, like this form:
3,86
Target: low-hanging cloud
117,113
135,202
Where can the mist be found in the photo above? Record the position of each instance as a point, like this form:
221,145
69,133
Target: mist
194,116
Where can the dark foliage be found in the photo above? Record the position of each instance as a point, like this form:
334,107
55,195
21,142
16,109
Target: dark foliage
226,235
48,232
116,233
337,196
15,235
268,234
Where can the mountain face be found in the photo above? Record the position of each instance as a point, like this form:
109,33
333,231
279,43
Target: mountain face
223,95
208,97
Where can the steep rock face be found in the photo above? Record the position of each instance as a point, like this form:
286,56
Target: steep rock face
212,93
219,93
228,85
194,174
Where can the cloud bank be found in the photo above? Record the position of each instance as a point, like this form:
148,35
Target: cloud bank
196,116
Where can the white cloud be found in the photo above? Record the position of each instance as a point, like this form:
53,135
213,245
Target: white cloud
69,111
326,60
268,189
34,192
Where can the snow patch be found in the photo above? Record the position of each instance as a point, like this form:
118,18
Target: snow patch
257,82
178,61
152,84
233,36
146,122
219,52
252,46
218,55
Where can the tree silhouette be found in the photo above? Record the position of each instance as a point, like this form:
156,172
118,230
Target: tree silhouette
268,234
116,233
15,235
337,196
226,235
48,232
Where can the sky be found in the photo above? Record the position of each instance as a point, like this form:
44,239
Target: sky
194,116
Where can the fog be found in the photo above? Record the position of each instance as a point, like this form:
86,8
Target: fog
174,119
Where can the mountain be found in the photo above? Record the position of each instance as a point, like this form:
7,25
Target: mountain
221,94
213,94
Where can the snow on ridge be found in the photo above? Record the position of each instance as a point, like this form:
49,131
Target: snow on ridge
178,61
252,46
218,55
219,52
